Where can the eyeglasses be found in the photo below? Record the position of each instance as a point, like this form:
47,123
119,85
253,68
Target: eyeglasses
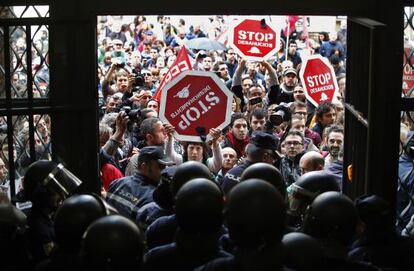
294,143
118,44
298,91
300,113
146,74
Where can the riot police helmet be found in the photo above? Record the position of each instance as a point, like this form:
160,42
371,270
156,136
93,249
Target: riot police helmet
265,172
44,178
307,187
113,243
331,216
187,171
301,251
75,215
199,207
255,214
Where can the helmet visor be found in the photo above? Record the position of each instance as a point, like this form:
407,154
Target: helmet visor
61,181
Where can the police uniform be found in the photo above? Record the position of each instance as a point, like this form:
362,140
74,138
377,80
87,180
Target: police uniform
130,193
232,177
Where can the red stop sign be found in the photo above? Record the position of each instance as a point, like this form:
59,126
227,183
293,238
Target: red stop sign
253,41
318,79
408,71
194,100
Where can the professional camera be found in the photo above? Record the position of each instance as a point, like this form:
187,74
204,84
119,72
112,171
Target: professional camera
139,80
133,114
280,114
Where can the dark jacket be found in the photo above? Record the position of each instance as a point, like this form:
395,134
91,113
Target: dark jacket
130,193
405,191
232,177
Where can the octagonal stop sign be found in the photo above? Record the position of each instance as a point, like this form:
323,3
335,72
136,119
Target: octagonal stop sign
318,80
193,102
253,39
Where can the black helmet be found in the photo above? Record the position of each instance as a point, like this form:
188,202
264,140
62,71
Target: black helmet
331,216
113,241
307,187
199,207
33,183
45,177
256,214
375,212
75,215
301,251
265,172
188,171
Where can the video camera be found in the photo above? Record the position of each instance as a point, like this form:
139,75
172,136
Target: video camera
280,114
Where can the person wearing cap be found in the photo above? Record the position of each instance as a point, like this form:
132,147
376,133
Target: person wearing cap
289,82
262,148
130,193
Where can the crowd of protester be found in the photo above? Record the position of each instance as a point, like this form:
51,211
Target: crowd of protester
265,193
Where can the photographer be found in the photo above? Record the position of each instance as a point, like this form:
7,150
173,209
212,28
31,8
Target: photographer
138,98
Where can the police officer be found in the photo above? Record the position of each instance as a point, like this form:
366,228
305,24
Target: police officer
43,183
130,193
162,231
71,220
13,244
199,212
255,217
112,243
379,242
332,219
304,191
163,202
262,148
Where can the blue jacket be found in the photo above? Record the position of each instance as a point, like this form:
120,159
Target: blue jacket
232,177
130,193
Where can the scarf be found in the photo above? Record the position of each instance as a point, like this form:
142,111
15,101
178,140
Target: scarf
238,145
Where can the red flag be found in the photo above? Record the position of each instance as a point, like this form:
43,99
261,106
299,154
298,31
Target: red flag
182,63
290,25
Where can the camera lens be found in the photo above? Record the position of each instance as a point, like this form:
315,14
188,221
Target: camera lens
277,117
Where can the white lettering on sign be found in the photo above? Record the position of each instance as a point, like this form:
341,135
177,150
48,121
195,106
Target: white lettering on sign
190,101
257,36
257,39
193,113
323,88
318,80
